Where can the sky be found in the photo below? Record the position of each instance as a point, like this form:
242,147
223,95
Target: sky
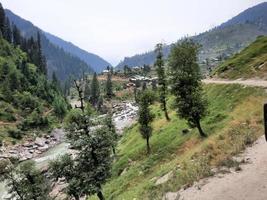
114,29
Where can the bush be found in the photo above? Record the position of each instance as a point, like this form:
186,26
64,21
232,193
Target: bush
25,100
35,120
15,133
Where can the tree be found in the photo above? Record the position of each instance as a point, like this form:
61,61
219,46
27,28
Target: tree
109,92
89,170
2,19
16,35
24,181
87,90
111,127
55,82
41,61
7,33
186,84
145,116
95,91
60,107
162,82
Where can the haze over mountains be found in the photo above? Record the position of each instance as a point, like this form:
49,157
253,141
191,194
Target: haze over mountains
63,57
226,39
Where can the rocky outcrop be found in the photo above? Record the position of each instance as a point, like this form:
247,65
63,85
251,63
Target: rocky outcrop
32,148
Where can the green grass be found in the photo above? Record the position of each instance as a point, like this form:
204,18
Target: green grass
251,62
234,121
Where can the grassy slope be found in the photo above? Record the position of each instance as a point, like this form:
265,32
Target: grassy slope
251,62
234,121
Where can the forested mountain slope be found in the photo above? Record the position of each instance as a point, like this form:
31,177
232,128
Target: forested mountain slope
249,63
63,63
221,41
28,101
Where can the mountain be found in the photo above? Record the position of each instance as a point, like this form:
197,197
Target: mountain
249,63
62,57
222,41
97,63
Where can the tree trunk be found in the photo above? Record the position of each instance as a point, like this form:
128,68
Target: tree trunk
202,134
166,111
147,145
114,150
100,195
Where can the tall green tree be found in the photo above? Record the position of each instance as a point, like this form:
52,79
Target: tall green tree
145,116
111,127
24,182
89,170
7,33
109,91
41,61
2,19
95,90
87,90
186,84
162,82
16,35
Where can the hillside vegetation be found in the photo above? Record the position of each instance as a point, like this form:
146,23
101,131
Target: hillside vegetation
28,101
60,61
234,121
249,63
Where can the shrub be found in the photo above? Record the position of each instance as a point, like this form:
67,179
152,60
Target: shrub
15,133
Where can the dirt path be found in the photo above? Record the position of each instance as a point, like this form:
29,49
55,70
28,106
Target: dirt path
249,82
248,184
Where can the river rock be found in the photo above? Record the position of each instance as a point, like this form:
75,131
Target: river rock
171,196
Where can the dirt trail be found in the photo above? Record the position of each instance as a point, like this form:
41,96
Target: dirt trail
248,184
248,82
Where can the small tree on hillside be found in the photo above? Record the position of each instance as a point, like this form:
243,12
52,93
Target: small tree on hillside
111,127
90,168
145,116
186,85
109,92
24,181
95,91
162,82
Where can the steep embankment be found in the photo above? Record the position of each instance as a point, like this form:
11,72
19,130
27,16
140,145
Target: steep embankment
178,157
249,63
27,99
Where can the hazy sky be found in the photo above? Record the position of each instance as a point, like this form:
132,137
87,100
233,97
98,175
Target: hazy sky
114,29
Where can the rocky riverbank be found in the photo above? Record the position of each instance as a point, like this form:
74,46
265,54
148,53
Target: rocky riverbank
32,148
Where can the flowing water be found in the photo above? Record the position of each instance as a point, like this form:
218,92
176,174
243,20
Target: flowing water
122,120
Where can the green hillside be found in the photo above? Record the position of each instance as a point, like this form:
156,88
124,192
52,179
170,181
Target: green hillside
28,101
234,121
249,63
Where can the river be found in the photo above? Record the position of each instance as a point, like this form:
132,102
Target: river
123,118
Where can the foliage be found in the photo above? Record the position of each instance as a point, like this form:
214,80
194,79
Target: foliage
145,116
185,81
24,181
109,90
95,91
162,82
89,169
250,62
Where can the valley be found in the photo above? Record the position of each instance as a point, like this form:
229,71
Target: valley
184,121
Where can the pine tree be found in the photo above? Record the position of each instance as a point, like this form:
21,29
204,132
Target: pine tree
55,82
162,82
16,35
186,84
2,19
109,92
41,61
87,90
145,116
7,34
95,91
